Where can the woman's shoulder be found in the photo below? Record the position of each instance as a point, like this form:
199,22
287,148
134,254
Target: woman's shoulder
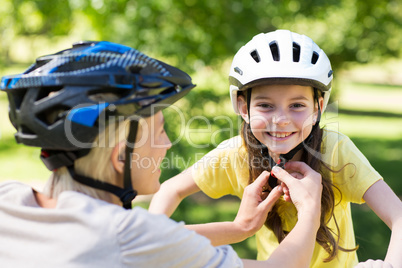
12,184
15,192
114,220
135,217
149,239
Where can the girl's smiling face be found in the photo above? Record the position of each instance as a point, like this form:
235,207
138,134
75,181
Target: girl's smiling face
281,116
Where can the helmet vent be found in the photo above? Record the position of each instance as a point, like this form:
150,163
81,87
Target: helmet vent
238,70
52,115
314,58
135,69
274,51
255,56
104,95
47,92
296,52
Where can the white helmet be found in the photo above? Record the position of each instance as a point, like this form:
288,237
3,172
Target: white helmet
280,57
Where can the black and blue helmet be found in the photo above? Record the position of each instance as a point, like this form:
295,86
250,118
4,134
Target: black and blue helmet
56,104
67,84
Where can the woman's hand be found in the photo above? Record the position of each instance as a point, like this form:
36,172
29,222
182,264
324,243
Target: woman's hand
304,188
254,208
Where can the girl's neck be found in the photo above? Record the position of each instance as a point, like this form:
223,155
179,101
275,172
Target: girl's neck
296,157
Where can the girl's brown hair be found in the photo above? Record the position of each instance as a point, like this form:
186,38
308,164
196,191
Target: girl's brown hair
326,237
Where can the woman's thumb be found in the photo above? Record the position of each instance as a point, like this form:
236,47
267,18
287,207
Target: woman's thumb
282,174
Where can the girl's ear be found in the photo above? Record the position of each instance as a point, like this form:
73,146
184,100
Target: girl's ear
242,106
321,103
118,157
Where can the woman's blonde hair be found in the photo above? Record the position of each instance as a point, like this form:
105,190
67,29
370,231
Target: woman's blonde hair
96,164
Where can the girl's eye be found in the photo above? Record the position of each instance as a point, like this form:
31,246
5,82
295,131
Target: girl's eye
297,105
264,105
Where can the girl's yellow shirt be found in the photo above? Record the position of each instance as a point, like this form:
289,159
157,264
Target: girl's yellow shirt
225,170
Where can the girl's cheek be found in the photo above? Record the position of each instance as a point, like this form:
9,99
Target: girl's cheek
303,119
259,120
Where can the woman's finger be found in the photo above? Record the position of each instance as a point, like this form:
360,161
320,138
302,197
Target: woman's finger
261,180
272,197
283,175
299,167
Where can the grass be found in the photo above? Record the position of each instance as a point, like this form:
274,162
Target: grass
372,235
366,126
21,163
371,97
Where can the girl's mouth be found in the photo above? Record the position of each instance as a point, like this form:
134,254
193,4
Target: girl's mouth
280,136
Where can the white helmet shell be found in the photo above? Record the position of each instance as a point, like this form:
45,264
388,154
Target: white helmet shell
280,57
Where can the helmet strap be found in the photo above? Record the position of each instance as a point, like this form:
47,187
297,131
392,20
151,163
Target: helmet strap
248,103
125,195
316,98
127,164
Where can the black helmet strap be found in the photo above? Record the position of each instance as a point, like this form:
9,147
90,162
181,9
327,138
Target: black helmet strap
127,164
125,195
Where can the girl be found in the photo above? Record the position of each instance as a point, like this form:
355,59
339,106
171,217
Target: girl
280,84
76,105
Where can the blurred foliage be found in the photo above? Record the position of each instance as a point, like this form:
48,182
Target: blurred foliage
196,33
372,234
204,121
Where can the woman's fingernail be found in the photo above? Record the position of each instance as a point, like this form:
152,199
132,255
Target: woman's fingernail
275,169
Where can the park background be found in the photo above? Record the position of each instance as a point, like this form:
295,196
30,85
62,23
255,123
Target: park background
361,37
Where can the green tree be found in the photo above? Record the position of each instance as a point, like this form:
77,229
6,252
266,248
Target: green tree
196,33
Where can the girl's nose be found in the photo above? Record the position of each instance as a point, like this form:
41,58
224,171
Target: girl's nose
280,119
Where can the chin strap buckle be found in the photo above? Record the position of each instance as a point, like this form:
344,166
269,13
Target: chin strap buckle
272,180
127,196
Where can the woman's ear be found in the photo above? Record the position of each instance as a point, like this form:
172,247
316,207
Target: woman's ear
242,106
118,157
